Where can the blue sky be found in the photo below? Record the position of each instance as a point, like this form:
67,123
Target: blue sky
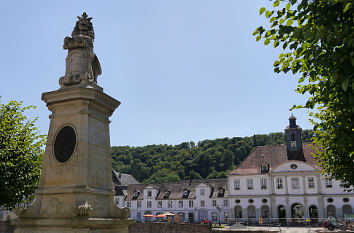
184,70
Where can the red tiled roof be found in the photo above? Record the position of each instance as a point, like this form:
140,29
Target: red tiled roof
272,155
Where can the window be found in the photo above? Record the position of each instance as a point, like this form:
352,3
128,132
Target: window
279,183
263,183
250,201
202,192
311,182
159,204
149,193
264,168
328,182
293,141
236,184
249,183
167,193
191,204
138,216
180,203
226,202
295,183
214,202
128,204
202,203
169,204
185,193
138,204
237,201
148,204
221,192
214,216
330,200
342,184
116,200
264,200
136,194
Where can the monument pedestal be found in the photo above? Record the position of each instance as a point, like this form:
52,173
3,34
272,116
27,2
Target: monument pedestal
76,190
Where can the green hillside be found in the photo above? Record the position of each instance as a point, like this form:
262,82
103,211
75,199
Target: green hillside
206,159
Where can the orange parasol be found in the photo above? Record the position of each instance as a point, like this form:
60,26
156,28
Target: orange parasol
161,216
148,215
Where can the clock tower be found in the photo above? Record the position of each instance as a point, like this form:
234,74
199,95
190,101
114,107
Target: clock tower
293,141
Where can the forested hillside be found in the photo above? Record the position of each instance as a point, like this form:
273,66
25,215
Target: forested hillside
206,159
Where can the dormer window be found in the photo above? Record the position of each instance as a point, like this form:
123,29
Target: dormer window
149,193
185,193
136,194
221,192
264,168
166,194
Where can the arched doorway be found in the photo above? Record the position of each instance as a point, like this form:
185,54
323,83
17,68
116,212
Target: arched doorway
238,211
331,211
251,211
347,209
313,211
297,211
265,211
281,212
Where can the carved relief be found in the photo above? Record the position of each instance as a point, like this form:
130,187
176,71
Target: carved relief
83,210
65,168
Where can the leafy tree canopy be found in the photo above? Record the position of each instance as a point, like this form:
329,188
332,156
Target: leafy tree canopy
188,160
318,39
20,155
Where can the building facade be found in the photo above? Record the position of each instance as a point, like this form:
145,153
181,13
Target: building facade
192,200
280,181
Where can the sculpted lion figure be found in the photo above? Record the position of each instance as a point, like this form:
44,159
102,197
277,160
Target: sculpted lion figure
82,64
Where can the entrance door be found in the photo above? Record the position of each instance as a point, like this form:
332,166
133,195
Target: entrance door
238,211
281,212
191,217
297,211
313,213
203,215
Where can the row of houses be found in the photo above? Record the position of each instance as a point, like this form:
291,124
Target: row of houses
272,182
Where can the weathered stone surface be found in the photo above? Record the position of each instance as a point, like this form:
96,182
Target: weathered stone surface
82,64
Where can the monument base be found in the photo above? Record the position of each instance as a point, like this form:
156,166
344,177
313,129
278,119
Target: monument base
71,225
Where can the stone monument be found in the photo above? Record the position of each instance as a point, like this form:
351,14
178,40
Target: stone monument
75,191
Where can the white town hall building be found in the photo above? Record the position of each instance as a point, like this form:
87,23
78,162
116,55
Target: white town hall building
280,181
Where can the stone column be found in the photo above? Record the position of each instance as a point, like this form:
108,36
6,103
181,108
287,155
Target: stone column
258,213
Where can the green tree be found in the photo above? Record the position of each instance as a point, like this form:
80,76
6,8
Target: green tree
318,39
20,155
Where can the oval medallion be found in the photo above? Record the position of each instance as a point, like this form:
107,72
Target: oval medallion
64,144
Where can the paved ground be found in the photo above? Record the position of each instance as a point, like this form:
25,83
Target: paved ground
279,229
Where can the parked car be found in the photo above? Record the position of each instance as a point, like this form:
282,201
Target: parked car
332,222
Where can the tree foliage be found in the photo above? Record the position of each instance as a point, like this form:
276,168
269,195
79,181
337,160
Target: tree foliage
318,39
20,155
188,160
